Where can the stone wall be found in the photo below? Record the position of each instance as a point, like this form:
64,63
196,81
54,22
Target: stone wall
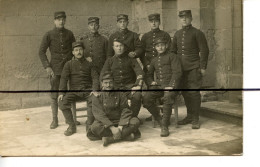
24,22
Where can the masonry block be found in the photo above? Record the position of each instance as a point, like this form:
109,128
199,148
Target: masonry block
44,82
238,16
207,3
169,4
223,39
187,4
2,25
238,38
207,18
237,61
169,19
28,7
223,18
223,4
22,25
44,24
9,7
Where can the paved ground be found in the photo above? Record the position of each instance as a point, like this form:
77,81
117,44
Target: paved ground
26,132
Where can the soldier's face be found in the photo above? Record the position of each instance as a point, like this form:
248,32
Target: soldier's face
161,47
78,52
119,48
154,24
186,20
59,22
107,84
93,27
122,24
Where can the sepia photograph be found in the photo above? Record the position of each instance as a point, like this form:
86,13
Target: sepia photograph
121,78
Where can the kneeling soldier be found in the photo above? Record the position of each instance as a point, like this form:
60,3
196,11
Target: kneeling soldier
113,118
168,72
83,77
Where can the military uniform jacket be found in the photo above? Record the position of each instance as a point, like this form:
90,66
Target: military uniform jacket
168,70
96,48
191,46
111,108
131,39
125,71
148,43
81,74
59,42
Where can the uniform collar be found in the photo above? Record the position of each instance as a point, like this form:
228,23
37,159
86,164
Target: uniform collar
187,27
124,31
82,59
156,30
162,53
122,55
59,29
96,34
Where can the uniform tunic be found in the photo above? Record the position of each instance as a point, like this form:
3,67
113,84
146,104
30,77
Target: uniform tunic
125,71
168,70
59,42
96,48
148,43
81,74
191,46
130,39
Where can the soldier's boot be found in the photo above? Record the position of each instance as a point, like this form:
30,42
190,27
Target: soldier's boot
149,118
137,134
155,113
185,121
108,140
164,131
77,122
54,109
130,137
127,130
69,118
195,124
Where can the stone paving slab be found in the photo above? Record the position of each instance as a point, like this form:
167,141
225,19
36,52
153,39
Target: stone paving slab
26,132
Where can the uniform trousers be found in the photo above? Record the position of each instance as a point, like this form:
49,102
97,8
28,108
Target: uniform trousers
192,79
54,82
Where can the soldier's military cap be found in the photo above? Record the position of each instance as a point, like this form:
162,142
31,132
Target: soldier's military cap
93,19
160,40
185,13
59,14
107,75
122,16
76,44
155,16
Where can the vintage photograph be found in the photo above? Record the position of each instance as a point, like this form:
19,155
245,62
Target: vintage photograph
121,78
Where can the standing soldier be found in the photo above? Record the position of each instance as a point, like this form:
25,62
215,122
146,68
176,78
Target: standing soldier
131,39
191,46
148,42
83,79
167,68
148,39
59,41
95,45
127,74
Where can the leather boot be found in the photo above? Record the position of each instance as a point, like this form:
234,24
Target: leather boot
107,141
164,131
130,137
185,121
69,118
167,112
137,134
127,130
54,109
155,113
195,124
54,123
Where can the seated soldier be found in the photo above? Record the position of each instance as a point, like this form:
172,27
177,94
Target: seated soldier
113,118
83,77
127,74
168,72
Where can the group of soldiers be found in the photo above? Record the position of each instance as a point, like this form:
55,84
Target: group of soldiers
107,75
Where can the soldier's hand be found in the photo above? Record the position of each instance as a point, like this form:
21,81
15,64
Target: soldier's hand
89,59
132,54
50,71
60,97
95,93
168,88
148,66
116,132
136,88
154,83
203,72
